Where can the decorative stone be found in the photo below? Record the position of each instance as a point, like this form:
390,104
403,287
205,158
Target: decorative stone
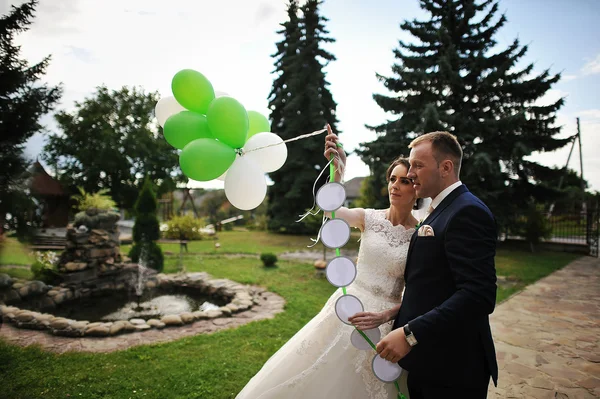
5,281
60,323
172,320
233,307
98,331
137,322
214,313
200,315
156,323
12,296
225,311
75,266
24,316
187,317
142,327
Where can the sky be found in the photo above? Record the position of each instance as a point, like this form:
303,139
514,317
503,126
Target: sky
145,42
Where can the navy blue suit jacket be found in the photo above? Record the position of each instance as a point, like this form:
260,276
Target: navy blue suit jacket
450,292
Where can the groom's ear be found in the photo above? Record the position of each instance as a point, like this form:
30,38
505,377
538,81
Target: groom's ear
447,167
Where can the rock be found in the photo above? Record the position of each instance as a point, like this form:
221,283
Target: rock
5,281
226,311
142,327
98,331
137,322
187,317
24,316
38,288
200,315
172,320
155,323
23,291
320,264
12,296
75,266
234,308
117,327
60,323
214,313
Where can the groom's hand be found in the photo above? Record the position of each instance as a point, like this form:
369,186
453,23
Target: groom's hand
393,346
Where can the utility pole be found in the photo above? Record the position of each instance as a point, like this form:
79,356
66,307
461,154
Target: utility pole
583,204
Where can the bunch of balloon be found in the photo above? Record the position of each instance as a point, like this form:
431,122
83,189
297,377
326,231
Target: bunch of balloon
219,139
341,272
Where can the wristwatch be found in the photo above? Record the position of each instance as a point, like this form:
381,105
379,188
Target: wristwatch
410,338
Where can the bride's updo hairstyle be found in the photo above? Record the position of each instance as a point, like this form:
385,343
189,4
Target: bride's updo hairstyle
404,162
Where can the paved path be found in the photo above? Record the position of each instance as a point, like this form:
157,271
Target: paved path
548,336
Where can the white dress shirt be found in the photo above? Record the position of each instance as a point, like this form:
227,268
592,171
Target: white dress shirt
445,192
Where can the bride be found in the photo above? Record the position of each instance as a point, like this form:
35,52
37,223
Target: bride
320,361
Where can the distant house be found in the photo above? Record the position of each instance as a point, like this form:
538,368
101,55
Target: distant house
353,187
53,198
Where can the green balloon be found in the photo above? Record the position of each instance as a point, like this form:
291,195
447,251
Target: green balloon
206,159
192,90
185,127
258,123
228,121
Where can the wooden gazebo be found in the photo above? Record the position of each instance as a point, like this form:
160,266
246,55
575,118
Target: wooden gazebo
53,198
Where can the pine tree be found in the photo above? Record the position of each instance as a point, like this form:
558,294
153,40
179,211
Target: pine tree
300,102
451,78
24,99
146,230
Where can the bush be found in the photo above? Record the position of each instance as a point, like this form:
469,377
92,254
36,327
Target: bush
268,259
44,268
147,229
153,258
184,228
536,226
100,200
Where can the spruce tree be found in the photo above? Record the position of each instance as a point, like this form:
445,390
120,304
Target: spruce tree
24,99
453,78
146,230
300,102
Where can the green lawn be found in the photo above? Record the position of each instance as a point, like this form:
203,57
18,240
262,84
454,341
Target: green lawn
216,365
12,252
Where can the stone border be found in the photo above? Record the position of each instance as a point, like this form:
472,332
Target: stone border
240,298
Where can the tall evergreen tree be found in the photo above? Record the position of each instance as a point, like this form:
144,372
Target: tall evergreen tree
146,230
452,78
24,99
300,102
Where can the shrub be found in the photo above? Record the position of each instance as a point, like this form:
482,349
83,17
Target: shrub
147,229
153,258
100,200
268,259
44,267
184,227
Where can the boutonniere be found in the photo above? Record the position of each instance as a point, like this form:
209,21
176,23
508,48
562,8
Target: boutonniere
419,224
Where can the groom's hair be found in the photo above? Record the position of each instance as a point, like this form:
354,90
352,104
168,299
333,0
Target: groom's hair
444,146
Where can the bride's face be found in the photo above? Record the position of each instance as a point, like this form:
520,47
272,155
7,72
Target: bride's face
400,188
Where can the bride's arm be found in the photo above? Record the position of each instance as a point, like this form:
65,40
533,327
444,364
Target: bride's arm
368,320
354,216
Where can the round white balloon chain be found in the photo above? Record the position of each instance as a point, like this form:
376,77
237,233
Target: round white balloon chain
341,272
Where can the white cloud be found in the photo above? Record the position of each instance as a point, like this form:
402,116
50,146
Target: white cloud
592,67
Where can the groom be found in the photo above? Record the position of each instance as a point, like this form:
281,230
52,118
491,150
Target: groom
442,333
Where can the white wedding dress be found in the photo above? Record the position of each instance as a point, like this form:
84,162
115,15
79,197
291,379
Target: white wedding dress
319,361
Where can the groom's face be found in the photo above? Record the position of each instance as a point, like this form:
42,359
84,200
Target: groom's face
424,170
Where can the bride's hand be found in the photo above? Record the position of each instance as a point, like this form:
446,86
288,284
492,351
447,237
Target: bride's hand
367,320
333,146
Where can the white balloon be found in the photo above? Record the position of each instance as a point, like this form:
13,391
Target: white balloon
361,343
219,93
335,233
165,107
386,371
331,196
347,306
271,158
245,184
341,271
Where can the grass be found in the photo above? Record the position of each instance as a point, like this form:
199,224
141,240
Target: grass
13,252
523,268
214,366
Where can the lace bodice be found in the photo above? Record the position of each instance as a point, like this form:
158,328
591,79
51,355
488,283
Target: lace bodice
382,257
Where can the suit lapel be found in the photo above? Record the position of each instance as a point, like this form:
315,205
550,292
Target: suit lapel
431,217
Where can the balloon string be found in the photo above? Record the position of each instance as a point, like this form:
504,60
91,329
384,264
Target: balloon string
310,211
304,136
